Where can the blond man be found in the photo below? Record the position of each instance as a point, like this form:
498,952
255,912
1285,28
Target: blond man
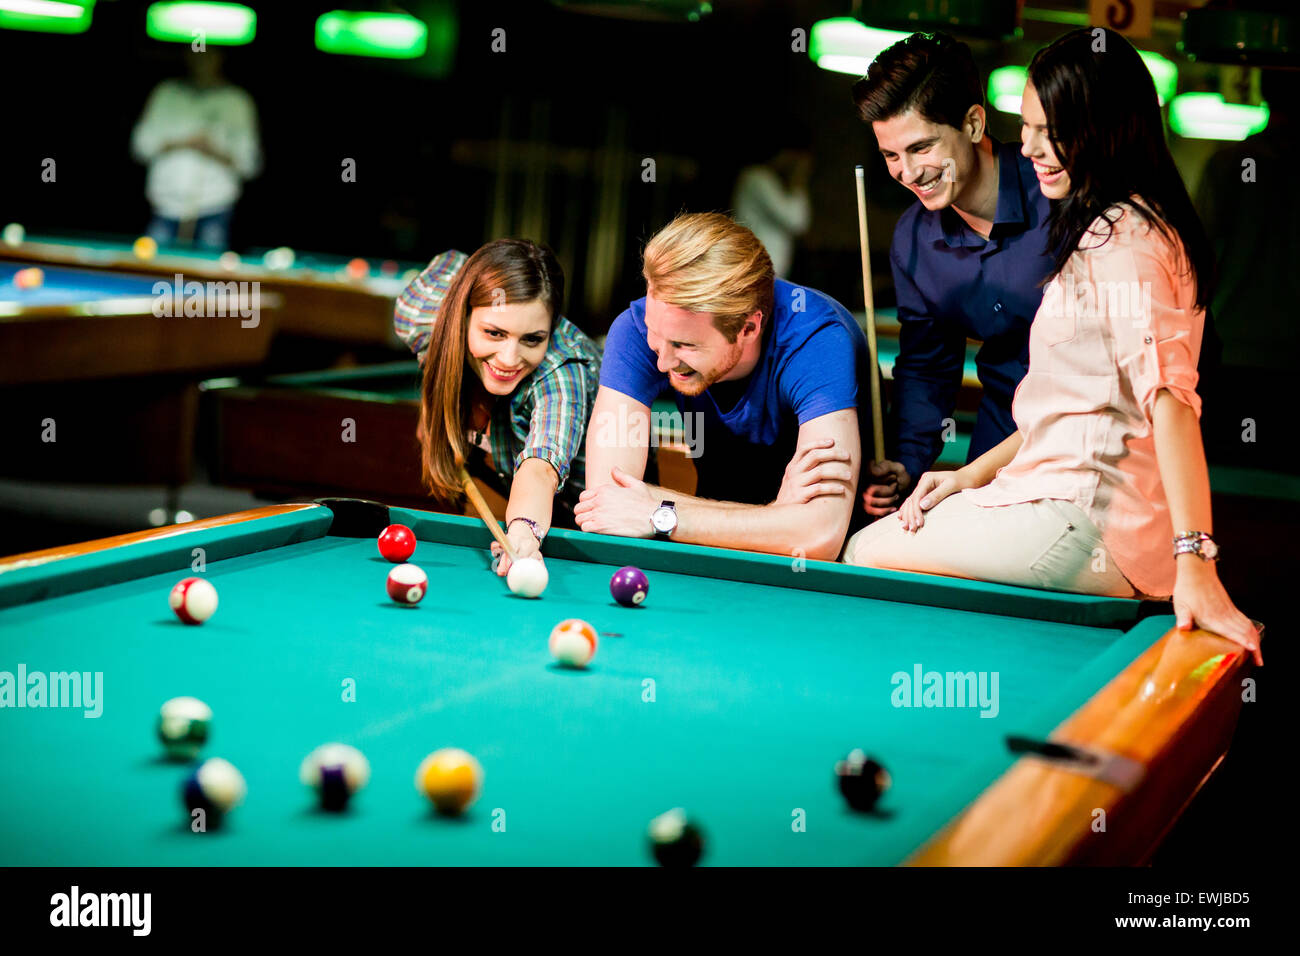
775,374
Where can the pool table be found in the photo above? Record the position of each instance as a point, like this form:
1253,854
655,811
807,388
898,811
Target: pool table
730,692
87,351
319,300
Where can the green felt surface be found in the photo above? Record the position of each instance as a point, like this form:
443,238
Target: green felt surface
762,676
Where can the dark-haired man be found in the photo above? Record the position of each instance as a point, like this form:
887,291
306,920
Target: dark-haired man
968,259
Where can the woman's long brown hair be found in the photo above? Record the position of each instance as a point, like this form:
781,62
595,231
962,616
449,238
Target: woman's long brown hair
504,272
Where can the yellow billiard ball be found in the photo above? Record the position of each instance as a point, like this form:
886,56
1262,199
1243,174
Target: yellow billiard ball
144,248
450,778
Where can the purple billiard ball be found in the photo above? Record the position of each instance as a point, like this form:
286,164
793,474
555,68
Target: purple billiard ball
629,586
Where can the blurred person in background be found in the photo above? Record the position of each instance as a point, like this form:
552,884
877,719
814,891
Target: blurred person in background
772,199
198,136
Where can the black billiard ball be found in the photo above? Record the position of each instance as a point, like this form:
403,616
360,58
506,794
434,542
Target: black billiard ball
675,840
862,780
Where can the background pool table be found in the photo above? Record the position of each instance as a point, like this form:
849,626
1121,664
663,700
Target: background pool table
731,692
319,300
96,387
279,434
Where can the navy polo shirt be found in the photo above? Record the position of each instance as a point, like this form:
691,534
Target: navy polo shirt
953,284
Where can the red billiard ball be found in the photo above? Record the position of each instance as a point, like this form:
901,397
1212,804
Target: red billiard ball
358,269
407,584
397,543
194,600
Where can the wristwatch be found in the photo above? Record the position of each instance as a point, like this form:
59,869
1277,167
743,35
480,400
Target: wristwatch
664,519
1198,543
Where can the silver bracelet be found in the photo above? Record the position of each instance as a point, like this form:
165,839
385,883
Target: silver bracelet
532,526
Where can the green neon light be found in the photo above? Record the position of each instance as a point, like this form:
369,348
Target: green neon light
225,24
1207,116
847,45
393,35
1164,73
46,16
1007,83
1006,86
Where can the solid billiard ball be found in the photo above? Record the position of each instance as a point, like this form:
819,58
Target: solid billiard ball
629,586
397,543
14,234
183,727
407,584
389,268
216,788
862,780
194,600
229,261
30,278
336,772
145,247
451,779
358,269
527,577
573,642
675,840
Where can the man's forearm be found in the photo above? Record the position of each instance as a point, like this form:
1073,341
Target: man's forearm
813,530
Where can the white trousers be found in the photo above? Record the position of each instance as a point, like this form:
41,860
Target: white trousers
1039,544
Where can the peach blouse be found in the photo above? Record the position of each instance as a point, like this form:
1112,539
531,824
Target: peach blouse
1118,324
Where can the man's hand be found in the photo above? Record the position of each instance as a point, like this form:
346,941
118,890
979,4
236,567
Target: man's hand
881,497
623,508
817,469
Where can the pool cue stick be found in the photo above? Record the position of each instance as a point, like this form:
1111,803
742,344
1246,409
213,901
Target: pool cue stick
484,512
877,431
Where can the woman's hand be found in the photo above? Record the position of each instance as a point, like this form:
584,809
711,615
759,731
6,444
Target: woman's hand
522,541
1200,601
931,488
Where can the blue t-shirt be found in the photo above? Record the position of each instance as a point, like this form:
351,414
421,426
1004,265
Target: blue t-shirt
814,362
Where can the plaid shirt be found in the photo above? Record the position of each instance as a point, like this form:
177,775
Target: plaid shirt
546,416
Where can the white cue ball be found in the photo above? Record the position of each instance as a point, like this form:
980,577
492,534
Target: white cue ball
527,577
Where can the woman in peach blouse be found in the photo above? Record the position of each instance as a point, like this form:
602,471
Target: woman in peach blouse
1103,488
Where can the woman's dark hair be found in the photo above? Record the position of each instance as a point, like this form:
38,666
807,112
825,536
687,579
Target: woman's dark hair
504,272
928,72
1103,118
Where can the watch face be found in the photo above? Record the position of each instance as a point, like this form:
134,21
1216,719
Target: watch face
1210,550
663,520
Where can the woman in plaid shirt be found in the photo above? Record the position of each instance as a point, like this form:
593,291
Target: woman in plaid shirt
505,374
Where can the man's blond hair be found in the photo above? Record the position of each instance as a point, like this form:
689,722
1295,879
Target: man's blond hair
708,262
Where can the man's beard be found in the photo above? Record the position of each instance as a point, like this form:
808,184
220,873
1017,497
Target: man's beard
697,383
